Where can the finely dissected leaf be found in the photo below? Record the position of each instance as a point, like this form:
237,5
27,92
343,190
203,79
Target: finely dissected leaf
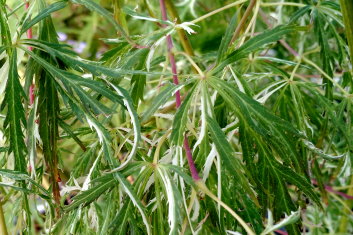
320,152
275,131
133,197
264,118
77,63
180,118
43,14
134,119
138,81
21,189
160,99
73,81
256,43
346,8
15,116
68,130
15,175
281,61
86,197
226,154
92,103
104,139
4,149
173,199
280,199
2,49
325,51
140,16
20,176
5,31
120,222
292,218
297,180
299,13
180,172
66,78
223,47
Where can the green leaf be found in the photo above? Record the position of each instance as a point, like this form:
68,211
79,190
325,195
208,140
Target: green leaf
320,152
227,154
2,49
138,81
73,81
77,63
86,197
256,43
68,130
120,222
4,149
180,172
5,31
15,116
31,140
347,8
43,14
173,197
289,175
160,99
325,52
180,118
140,16
92,103
292,218
133,197
280,134
134,119
299,13
20,176
223,47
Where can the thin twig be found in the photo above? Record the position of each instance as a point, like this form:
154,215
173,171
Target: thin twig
242,21
218,11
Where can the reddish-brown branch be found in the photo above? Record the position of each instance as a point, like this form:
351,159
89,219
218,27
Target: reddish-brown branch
193,170
171,54
188,152
331,190
281,232
242,21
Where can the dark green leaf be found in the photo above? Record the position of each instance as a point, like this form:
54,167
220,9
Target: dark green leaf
43,14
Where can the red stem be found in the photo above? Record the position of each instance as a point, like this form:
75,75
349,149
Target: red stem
193,170
170,54
191,162
281,232
331,190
